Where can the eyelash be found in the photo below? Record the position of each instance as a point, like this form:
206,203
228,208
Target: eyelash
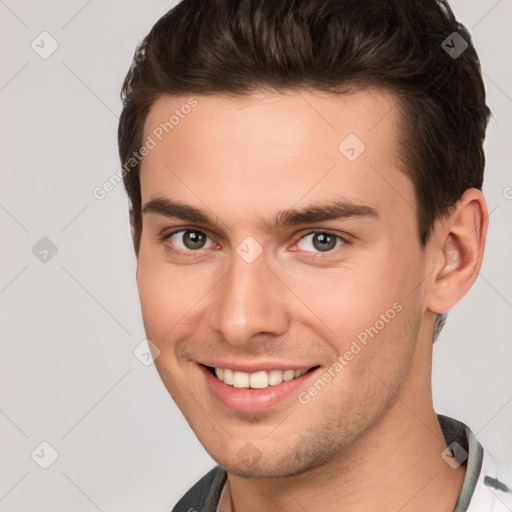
192,253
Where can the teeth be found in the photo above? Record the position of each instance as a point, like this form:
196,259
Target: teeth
241,380
275,377
257,380
228,377
288,374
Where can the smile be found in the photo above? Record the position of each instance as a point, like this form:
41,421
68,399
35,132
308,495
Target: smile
257,380
254,390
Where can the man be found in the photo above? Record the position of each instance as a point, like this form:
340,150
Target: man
305,184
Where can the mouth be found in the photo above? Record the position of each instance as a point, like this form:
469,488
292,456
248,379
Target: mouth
257,380
257,392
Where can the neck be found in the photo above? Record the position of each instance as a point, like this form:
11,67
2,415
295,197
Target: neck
395,465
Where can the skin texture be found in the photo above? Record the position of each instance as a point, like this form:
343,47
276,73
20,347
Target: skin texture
369,440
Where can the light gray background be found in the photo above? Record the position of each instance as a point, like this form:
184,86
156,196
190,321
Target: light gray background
69,326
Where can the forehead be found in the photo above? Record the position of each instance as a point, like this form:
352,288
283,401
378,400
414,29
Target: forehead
274,149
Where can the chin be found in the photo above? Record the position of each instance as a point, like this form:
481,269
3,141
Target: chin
248,463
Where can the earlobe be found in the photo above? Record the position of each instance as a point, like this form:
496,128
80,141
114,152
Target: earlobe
460,240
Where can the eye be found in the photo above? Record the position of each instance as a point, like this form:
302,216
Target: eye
189,239
320,241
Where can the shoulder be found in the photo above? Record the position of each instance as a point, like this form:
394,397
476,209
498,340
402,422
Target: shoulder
493,490
487,485
204,495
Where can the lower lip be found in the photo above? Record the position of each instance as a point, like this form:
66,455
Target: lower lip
253,400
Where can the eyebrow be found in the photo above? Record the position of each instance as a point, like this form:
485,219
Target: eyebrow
320,212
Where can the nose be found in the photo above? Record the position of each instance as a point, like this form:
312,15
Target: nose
250,300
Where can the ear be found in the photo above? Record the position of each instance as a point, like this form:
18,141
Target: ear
457,247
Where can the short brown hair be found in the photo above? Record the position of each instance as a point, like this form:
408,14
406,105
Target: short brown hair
241,46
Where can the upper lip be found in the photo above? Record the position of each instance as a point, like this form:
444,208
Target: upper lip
257,366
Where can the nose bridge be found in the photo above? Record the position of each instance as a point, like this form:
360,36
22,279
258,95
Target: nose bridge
249,302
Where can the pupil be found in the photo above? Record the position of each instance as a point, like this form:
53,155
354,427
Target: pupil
193,239
324,242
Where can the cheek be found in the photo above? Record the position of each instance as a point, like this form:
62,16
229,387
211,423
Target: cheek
346,299
364,300
169,296
158,291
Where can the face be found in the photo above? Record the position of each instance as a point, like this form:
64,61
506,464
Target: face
280,251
